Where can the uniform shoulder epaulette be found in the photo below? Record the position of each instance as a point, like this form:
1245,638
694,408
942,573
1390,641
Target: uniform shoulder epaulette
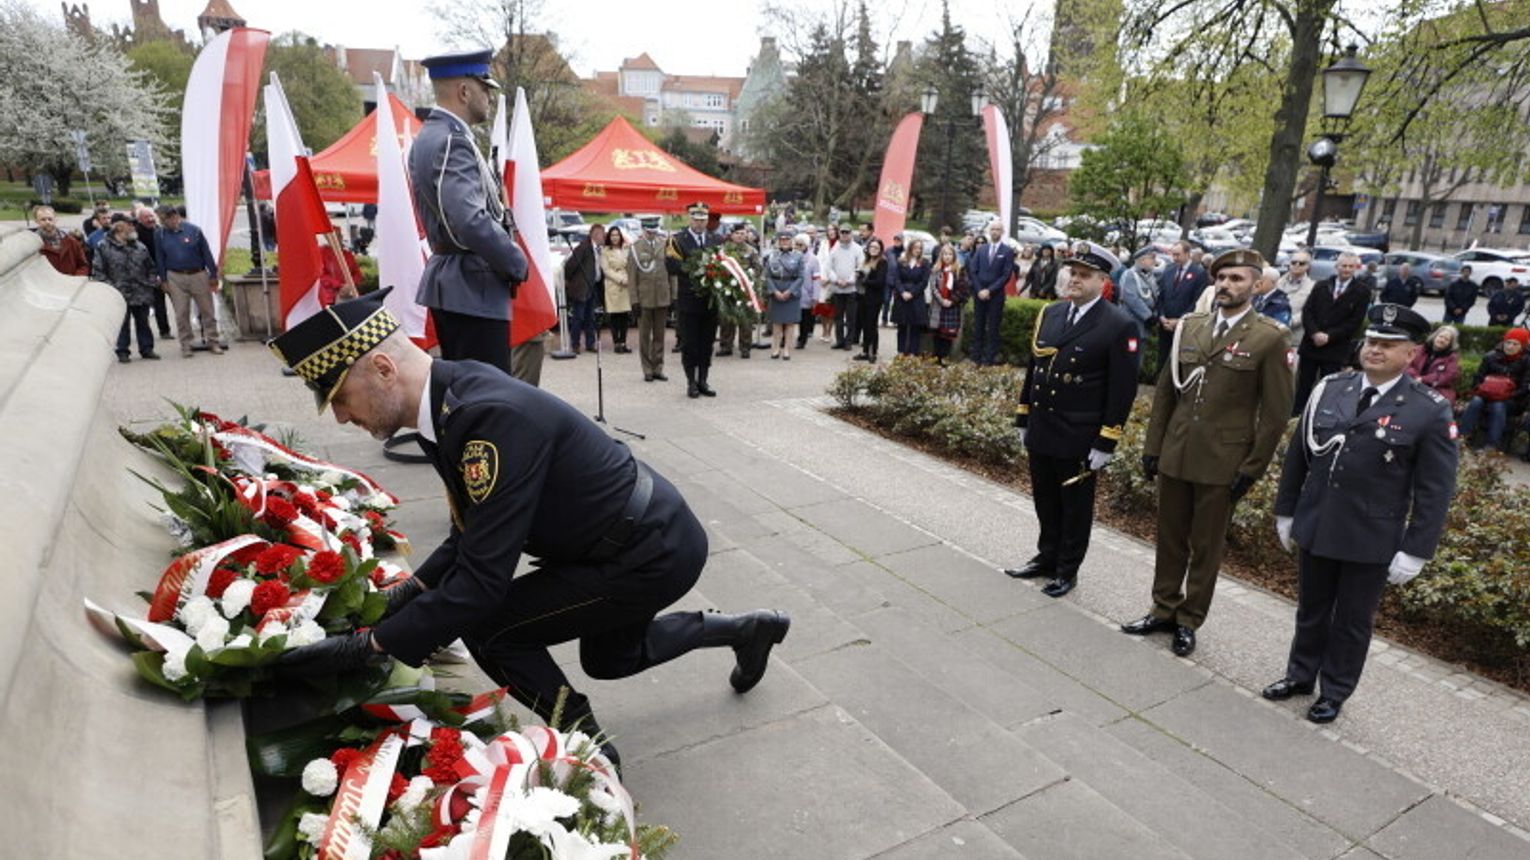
1273,323
1197,315
1421,388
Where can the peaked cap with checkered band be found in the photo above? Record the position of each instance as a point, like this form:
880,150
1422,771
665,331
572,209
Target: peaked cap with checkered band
322,348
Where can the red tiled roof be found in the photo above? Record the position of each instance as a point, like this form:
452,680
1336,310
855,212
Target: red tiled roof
641,61
705,84
361,62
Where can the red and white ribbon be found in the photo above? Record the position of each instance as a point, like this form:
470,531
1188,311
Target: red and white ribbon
359,801
187,576
737,271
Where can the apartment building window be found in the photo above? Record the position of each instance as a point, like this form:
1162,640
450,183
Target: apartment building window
1524,220
1414,208
1464,217
1389,209
1437,216
1497,214
713,100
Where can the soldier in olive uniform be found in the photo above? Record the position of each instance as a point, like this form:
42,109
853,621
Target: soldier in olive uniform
1218,414
1394,441
475,264
1073,406
650,282
737,245
525,473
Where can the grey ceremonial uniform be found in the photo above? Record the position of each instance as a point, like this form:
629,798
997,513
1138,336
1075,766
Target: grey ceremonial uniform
1360,488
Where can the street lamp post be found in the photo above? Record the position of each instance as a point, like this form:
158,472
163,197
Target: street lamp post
929,100
1342,84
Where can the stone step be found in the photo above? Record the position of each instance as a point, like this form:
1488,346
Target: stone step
1072,820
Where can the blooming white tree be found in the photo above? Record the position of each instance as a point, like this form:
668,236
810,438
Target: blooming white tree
55,82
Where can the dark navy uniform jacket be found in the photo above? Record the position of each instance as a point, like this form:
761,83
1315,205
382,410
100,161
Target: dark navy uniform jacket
1081,383
473,259
1387,488
682,246
525,472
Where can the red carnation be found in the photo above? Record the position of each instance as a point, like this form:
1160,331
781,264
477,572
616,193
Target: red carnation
397,787
221,452
307,504
247,555
351,540
445,752
268,596
276,558
376,520
342,758
279,512
220,581
326,567
438,837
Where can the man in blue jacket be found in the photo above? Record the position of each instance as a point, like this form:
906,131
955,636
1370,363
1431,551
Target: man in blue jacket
1460,296
989,270
1178,287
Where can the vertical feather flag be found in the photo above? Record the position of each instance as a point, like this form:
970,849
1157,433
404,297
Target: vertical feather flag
897,178
1000,162
215,128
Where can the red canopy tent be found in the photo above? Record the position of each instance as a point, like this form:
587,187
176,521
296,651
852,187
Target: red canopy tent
346,172
620,170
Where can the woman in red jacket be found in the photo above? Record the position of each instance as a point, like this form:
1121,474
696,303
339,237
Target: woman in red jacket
1438,364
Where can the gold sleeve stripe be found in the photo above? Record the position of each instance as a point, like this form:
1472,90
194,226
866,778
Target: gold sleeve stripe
1112,433
1023,409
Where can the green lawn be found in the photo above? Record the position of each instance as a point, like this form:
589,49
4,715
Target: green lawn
15,197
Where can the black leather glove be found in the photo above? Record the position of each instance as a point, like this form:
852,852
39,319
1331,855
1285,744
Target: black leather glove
401,594
1150,467
336,655
1240,486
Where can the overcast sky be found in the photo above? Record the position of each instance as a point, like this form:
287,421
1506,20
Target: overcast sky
720,41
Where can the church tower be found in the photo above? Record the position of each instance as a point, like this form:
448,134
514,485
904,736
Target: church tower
217,17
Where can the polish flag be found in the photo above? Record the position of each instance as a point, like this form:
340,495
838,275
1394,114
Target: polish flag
215,128
401,249
535,308
300,217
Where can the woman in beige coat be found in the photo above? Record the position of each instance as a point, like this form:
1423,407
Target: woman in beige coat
613,264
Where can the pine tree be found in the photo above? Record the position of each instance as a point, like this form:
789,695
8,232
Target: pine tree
951,164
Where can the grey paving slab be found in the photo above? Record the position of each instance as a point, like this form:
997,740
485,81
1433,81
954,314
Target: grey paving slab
1349,792
934,731
971,587
834,586
1126,670
964,838
1247,801
1070,821
863,527
668,458
1360,852
740,495
943,660
897,592
1185,815
817,785
1067,694
1439,828
739,583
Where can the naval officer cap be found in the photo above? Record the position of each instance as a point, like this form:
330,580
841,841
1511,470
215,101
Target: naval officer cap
698,210
1247,258
467,64
322,348
1388,321
1092,256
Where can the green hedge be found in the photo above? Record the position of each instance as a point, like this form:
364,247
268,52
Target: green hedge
1477,586
1019,321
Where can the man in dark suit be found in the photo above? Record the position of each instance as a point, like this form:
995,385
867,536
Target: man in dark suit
475,264
1460,295
581,286
697,317
989,270
1330,321
1403,288
524,473
1380,524
1179,286
1073,408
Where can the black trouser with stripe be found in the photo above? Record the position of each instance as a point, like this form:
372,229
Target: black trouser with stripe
475,338
1065,513
1335,607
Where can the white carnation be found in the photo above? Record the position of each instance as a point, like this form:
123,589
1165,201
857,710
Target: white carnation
196,613
331,478
414,795
306,633
320,777
213,635
247,458
237,597
175,666
311,826
537,811
267,631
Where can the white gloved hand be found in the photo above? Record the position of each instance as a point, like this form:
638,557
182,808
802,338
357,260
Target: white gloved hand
1403,568
1021,432
1283,531
1098,459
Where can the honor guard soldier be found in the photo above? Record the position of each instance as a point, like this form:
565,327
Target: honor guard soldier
1366,487
475,264
1219,411
697,317
525,473
1073,406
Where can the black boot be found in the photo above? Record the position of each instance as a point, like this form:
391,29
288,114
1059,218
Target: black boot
577,716
690,383
701,382
751,636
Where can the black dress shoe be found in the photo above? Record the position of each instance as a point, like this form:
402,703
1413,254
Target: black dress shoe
1033,569
660,377
751,636
648,377
692,391
1324,711
1058,586
1285,688
1184,641
1147,624
704,389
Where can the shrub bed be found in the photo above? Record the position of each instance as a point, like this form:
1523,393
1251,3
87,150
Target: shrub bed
1470,605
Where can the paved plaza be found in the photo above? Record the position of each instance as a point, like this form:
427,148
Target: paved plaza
925,705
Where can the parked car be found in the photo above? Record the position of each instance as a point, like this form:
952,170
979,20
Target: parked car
631,227
1217,239
977,219
1490,266
930,242
1211,219
1436,270
1034,231
1326,257
1378,239
1159,230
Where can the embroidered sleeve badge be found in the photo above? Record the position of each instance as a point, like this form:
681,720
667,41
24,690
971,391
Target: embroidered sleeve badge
480,469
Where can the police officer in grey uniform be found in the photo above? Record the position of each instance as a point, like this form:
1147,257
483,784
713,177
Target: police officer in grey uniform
475,264
1366,486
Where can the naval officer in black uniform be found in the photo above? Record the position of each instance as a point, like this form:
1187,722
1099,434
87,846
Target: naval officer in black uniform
697,318
1364,493
525,473
1073,407
475,264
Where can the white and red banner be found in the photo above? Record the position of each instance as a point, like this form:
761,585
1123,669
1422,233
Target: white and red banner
535,308
1000,162
401,249
215,129
897,178
300,217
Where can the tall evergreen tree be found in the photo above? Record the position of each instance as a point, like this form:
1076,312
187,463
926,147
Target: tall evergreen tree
951,164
